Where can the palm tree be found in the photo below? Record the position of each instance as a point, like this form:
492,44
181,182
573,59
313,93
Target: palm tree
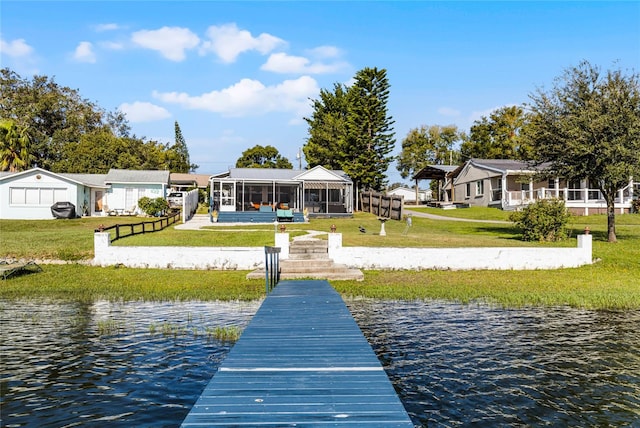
14,147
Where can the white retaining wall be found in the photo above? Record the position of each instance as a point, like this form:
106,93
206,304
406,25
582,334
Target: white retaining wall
220,258
501,258
382,258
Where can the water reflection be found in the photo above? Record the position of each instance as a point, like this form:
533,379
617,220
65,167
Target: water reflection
457,365
128,364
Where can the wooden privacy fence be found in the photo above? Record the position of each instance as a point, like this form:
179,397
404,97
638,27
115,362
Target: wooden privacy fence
381,205
130,229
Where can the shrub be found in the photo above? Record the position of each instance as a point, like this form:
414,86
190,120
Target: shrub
635,206
153,207
544,220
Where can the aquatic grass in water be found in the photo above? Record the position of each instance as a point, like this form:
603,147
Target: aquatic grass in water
59,371
109,327
224,334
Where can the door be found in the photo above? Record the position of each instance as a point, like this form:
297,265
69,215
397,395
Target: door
97,202
228,196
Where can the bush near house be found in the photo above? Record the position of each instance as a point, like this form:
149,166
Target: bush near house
544,220
153,207
635,206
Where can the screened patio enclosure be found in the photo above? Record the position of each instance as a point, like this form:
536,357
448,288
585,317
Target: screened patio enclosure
318,190
248,195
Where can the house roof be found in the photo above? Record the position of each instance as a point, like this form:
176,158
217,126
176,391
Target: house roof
263,173
136,176
504,165
91,180
99,180
201,180
275,174
82,179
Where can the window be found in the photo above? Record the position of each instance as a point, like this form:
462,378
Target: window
467,190
496,189
552,183
36,196
479,188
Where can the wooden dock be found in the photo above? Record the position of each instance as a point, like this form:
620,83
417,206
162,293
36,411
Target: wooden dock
302,361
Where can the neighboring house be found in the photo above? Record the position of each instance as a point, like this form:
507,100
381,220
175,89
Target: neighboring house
126,187
511,184
410,194
28,195
318,190
182,182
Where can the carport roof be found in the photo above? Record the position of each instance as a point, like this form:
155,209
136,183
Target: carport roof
434,172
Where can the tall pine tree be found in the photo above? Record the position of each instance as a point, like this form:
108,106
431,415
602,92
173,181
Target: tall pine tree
351,130
179,156
328,129
370,130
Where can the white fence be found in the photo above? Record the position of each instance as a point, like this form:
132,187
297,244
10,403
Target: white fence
381,258
499,258
189,204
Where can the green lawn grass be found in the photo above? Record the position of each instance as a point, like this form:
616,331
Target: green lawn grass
475,213
613,282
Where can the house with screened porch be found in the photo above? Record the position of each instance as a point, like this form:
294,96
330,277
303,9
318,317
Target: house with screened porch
267,195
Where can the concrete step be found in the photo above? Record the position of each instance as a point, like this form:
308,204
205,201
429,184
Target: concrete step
309,259
293,264
309,249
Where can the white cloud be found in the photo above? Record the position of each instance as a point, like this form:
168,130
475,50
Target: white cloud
283,63
15,48
111,45
107,27
325,52
143,112
171,42
250,97
228,41
448,111
84,53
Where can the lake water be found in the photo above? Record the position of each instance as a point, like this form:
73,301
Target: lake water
456,365
145,364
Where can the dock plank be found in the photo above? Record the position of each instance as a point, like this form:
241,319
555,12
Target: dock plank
302,361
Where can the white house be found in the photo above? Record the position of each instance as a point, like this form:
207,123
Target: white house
410,194
29,195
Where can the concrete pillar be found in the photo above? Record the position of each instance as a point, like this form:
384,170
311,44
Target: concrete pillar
101,244
585,242
282,241
335,243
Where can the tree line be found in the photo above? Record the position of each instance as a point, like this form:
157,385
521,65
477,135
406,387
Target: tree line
51,126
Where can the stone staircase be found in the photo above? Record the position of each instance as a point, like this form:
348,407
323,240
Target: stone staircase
309,258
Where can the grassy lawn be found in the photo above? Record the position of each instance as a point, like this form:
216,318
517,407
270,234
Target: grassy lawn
611,283
474,213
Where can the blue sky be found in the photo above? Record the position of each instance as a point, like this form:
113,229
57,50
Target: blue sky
237,74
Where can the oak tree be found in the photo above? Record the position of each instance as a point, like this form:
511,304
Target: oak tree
588,127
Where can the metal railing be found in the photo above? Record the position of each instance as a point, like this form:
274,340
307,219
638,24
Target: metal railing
271,267
131,229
